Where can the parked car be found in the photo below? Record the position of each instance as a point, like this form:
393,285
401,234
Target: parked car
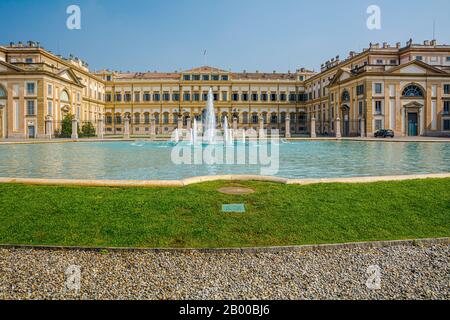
384,133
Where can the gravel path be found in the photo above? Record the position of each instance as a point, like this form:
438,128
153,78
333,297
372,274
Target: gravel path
406,273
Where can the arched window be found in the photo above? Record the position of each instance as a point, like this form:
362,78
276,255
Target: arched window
64,97
2,92
412,91
345,96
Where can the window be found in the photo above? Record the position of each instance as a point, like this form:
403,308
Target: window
127,97
301,78
166,96
29,60
393,62
108,120
137,118
186,77
419,58
273,97
147,118
49,108
283,97
205,77
215,96
224,96
156,97
224,78
118,119
108,97
196,77
30,88
146,97
215,77
292,97
360,107
2,93
446,88
108,78
49,90
176,97
137,97
254,118
235,97
196,96
273,118
378,124
448,59
378,88
379,61
345,96
187,96
254,97
446,124
118,97
245,97
263,96
30,108
360,90
378,108
447,107
412,91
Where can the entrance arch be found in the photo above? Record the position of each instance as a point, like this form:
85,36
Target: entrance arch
345,120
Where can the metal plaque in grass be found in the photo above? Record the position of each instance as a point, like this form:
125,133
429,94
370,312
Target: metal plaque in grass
233,208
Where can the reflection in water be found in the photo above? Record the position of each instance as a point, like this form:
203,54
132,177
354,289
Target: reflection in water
147,160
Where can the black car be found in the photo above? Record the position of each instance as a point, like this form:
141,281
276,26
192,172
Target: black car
384,133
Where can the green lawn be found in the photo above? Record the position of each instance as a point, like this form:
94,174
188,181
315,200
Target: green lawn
191,217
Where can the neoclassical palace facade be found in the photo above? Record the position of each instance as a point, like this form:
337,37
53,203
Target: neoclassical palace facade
403,88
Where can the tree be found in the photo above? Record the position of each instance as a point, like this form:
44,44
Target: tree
66,126
88,130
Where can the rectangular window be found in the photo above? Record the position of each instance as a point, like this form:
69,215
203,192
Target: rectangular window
273,97
419,58
360,90
29,60
245,97
378,124
205,96
216,96
49,90
118,97
196,96
378,88
30,88
393,62
186,77
30,108
224,78
137,97
378,108
156,97
447,107
224,96
205,77
446,88
282,97
146,97
196,77
292,97
49,108
360,107
176,97
235,97
215,77
263,96
254,97
127,97
187,96
446,124
379,61
166,96
448,59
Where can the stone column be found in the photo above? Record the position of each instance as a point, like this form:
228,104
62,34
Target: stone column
180,123
288,127
152,127
74,128
362,127
313,127
49,127
126,133
100,128
338,128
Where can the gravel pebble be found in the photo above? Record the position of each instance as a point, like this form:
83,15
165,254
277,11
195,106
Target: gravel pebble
406,272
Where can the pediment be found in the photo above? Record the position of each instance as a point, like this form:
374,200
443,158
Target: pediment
342,75
69,75
416,67
8,67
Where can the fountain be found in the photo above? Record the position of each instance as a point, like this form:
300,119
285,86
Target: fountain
209,135
227,139
194,133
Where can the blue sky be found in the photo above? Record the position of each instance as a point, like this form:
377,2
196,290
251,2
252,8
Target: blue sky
141,35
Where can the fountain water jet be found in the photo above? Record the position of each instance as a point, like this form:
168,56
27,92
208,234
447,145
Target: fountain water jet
209,136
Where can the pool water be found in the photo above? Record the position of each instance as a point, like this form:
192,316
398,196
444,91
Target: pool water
152,160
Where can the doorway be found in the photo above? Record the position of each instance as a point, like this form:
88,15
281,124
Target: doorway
31,132
412,124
